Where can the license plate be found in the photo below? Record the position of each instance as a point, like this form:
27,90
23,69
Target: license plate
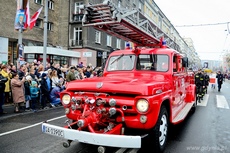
53,131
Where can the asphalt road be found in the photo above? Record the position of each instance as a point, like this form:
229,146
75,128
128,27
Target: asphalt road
207,130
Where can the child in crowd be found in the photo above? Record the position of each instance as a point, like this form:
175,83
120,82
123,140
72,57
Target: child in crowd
34,90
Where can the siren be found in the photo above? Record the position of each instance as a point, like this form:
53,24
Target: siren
162,43
127,45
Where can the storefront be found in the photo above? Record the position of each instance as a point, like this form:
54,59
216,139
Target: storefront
56,55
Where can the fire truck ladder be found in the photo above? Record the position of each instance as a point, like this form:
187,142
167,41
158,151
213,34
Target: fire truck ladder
129,25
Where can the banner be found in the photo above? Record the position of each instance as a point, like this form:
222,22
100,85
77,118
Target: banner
21,54
20,20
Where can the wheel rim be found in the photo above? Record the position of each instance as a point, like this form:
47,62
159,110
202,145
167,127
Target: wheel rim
163,130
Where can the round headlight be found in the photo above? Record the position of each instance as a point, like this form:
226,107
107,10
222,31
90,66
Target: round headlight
142,105
66,99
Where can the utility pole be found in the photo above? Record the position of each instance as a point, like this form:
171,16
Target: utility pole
45,33
20,48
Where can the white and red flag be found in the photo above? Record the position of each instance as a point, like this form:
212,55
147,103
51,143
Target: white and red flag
27,15
34,18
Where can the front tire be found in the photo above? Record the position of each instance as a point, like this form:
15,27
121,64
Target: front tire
159,133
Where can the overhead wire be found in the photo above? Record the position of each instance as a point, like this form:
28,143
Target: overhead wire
208,24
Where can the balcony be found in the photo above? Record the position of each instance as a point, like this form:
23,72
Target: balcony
76,43
77,18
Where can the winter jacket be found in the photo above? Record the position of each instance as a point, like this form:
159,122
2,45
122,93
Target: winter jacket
34,91
55,93
44,87
7,84
17,87
3,80
27,87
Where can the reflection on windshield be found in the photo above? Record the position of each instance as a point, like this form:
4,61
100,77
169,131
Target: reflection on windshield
121,62
153,62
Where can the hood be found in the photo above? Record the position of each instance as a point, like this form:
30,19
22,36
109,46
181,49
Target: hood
125,84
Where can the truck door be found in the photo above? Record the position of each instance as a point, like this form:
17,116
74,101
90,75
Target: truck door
178,85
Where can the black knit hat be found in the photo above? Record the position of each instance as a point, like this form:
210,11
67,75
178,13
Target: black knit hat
44,75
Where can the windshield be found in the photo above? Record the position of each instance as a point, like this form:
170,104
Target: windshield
121,62
153,62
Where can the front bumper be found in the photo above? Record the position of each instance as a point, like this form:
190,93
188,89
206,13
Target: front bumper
110,140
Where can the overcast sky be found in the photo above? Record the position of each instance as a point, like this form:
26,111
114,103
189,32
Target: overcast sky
211,41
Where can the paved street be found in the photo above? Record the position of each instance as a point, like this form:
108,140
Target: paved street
206,131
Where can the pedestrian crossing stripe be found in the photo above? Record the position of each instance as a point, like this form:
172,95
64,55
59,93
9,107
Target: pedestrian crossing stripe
221,101
204,101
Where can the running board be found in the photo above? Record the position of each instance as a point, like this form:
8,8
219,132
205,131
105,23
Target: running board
183,113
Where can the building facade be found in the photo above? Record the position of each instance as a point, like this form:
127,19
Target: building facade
67,41
57,36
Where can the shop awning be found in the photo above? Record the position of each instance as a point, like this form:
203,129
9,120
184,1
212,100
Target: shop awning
51,51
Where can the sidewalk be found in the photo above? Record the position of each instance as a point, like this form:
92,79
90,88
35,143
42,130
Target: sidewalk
9,108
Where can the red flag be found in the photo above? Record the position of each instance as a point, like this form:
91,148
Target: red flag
27,14
35,17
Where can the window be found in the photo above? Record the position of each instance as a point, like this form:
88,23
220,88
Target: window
78,36
77,9
50,26
51,5
38,23
121,62
118,45
38,2
109,40
97,36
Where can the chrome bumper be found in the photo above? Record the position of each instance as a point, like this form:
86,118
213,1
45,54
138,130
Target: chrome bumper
110,140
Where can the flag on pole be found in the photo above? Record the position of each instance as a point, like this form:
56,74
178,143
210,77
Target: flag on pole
34,18
27,15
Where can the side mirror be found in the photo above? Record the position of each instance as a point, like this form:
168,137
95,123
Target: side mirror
185,62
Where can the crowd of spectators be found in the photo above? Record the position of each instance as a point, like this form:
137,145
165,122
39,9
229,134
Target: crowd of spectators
33,86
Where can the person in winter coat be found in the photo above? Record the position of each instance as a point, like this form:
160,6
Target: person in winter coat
44,91
3,80
54,78
27,84
6,73
220,78
54,94
17,87
71,76
21,72
34,92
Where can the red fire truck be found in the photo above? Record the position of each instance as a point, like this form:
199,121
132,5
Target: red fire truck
142,91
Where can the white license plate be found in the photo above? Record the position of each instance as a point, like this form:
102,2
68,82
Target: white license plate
53,131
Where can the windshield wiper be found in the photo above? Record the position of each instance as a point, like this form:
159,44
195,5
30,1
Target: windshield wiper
117,58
